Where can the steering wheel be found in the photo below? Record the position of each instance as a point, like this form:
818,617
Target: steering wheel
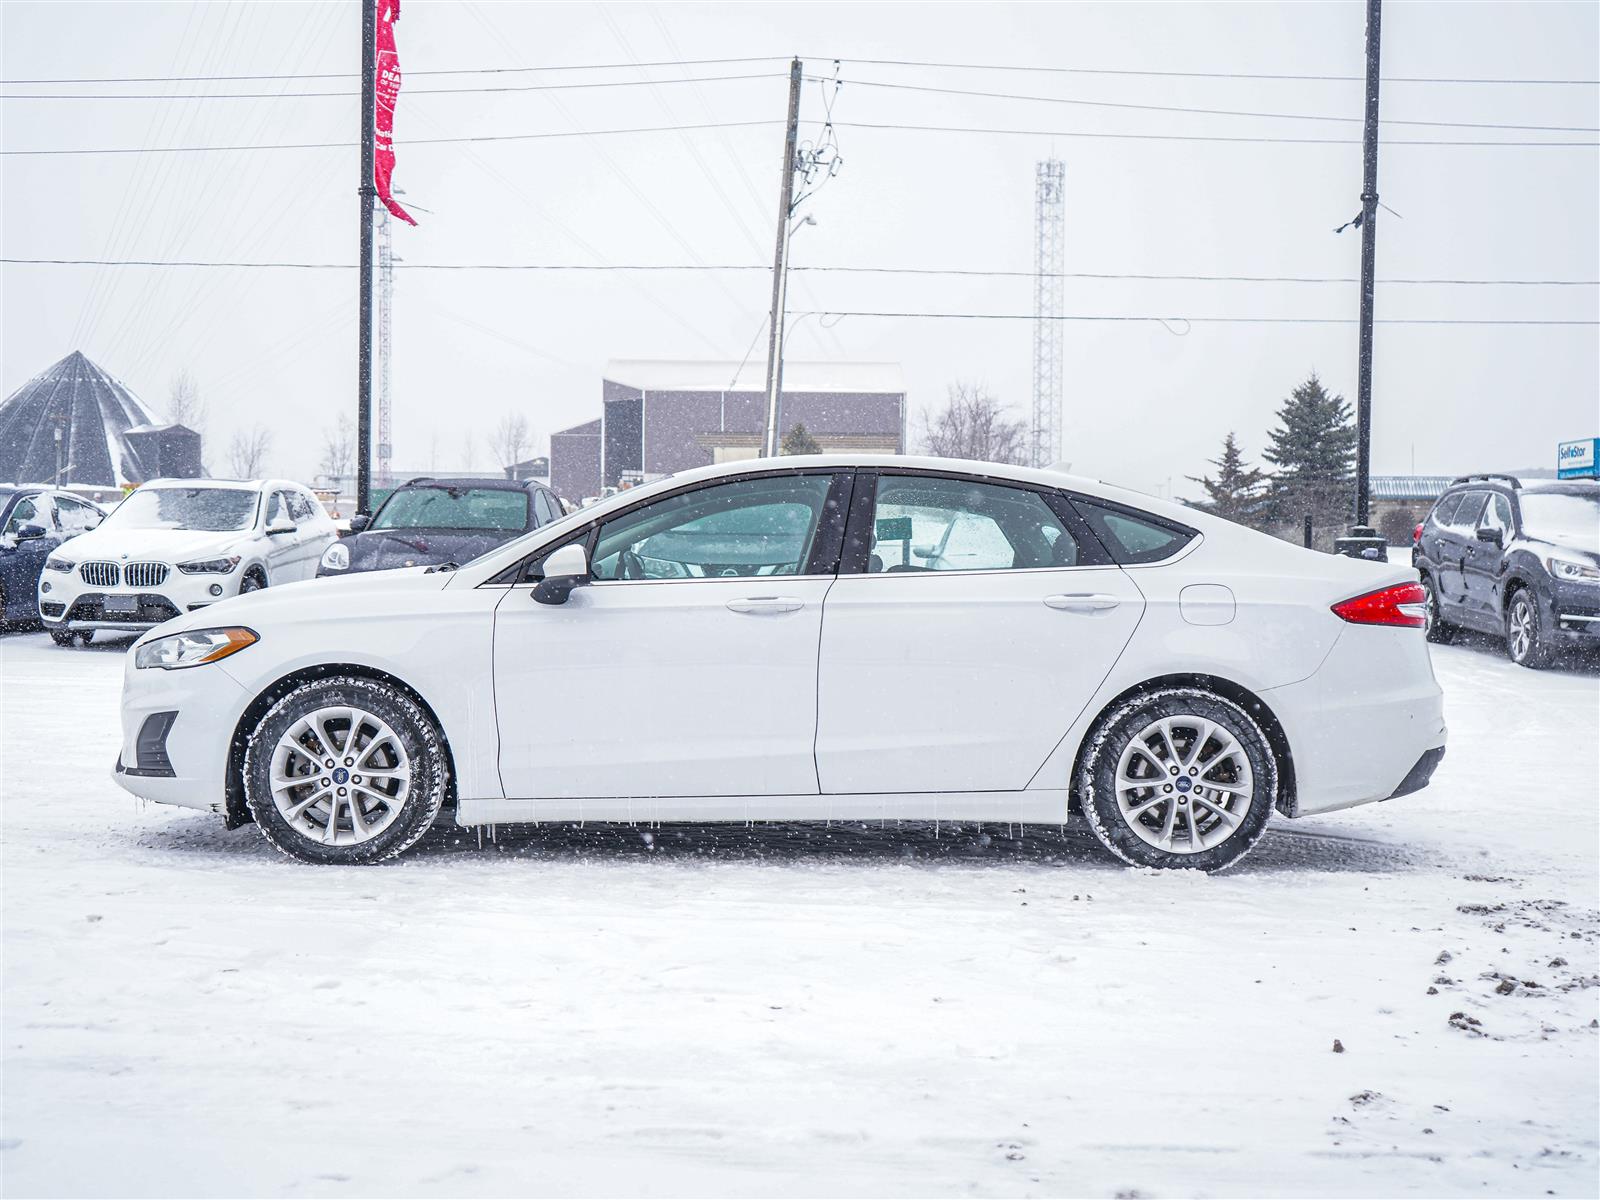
630,566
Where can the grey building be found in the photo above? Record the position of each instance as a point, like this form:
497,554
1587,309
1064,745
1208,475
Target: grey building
658,418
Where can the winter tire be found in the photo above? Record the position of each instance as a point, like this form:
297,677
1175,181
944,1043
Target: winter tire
1179,778
62,637
1439,631
1525,640
345,770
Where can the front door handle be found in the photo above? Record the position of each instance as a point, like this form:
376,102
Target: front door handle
766,604
1082,602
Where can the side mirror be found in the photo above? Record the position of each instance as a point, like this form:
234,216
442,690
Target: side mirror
30,532
1490,535
360,521
279,527
565,569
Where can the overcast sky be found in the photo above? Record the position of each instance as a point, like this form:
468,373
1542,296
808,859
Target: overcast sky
1145,402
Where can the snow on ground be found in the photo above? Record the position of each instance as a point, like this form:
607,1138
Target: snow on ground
806,1010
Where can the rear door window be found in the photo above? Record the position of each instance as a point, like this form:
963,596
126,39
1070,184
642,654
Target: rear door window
1133,537
927,523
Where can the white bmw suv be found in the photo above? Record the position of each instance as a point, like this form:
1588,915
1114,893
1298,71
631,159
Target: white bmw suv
176,545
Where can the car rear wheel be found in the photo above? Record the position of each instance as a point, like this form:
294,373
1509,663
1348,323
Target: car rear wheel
1525,640
1179,778
345,770
1438,629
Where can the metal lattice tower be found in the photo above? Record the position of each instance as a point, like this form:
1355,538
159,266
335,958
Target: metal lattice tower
385,307
1049,213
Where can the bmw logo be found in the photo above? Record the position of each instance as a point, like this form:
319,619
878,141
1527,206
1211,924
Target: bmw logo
1183,784
341,776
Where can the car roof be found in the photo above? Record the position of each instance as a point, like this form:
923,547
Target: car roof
237,485
504,485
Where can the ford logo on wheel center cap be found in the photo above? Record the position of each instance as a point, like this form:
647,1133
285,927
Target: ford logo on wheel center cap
340,775
1183,785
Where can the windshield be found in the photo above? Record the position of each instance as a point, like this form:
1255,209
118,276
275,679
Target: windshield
210,509
494,509
1564,520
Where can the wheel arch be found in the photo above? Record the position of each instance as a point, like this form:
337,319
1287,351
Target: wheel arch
236,811
1277,739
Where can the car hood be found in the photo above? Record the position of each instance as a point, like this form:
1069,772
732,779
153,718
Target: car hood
316,599
384,549
162,545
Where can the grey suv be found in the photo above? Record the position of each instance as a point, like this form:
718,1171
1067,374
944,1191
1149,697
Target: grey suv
1519,562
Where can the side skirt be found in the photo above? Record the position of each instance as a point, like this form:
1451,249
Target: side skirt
1042,806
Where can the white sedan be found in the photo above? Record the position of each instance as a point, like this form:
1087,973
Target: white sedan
175,546
808,638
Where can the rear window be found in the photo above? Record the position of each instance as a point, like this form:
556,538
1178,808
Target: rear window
1133,537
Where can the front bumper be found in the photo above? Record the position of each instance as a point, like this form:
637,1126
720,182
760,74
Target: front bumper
72,604
190,770
1572,612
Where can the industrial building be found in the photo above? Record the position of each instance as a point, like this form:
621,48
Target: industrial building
658,418
73,424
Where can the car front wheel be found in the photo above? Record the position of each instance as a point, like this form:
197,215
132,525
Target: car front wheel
1178,778
345,770
1525,639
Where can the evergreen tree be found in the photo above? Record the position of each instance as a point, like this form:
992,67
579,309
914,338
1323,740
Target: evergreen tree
799,441
1314,450
1236,492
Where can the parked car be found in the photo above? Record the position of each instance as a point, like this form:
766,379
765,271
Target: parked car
806,638
1522,563
34,521
178,545
429,522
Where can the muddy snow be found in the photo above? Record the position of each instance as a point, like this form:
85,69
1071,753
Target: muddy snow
1397,1000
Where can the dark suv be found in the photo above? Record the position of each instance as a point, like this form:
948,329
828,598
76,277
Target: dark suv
1519,562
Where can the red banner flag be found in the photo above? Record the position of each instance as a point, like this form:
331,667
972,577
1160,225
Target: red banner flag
388,92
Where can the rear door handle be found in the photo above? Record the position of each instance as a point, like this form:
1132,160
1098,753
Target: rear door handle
766,604
1082,602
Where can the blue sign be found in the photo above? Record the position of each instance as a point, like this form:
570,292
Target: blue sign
1578,460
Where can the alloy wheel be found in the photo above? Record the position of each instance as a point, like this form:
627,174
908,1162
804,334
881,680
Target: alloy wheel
1519,630
339,776
1184,784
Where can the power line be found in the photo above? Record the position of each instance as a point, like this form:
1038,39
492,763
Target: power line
503,137
957,272
869,62
883,126
892,62
1213,112
520,87
1174,320
1185,137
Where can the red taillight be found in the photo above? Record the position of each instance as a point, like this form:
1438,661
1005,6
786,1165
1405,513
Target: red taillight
1416,535
1404,604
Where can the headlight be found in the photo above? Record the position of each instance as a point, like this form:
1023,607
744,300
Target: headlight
58,564
1572,569
193,648
336,557
210,566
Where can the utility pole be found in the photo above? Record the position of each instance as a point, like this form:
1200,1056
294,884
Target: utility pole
369,106
1369,236
780,264
385,314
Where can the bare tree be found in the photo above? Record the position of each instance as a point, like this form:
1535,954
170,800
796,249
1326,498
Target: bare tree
338,450
248,451
184,405
973,424
509,440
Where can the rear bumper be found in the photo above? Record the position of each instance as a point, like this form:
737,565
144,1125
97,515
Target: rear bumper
1368,726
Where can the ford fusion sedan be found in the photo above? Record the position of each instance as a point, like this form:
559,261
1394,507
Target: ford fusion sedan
34,521
808,638
178,545
430,522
